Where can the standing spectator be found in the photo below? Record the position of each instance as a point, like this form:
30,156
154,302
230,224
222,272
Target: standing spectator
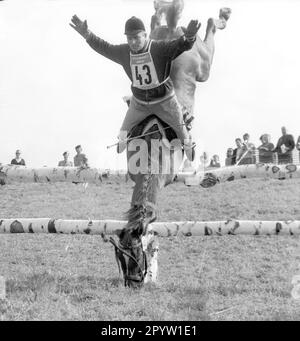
215,162
285,146
298,143
248,158
230,159
65,162
80,160
298,151
265,149
18,160
203,162
239,150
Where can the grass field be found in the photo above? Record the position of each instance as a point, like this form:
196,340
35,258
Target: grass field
75,277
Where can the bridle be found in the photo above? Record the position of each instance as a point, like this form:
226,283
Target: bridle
121,250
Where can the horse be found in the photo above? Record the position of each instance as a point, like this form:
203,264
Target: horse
137,248
136,251
191,66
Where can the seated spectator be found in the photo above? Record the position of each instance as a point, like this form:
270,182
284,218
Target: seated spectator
284,147
230,159
239,151
215,162
80,160
65,162
265,149
248,157
18,160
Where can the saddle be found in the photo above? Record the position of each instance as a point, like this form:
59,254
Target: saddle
187,116
141,129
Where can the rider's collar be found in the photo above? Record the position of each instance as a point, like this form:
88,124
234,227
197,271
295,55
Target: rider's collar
144,49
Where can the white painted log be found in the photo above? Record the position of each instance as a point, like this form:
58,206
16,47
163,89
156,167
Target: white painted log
229,227
48,225
12,173
162,229
218,175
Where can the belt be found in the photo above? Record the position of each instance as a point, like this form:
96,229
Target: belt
159,100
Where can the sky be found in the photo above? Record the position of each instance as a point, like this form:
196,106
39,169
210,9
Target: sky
56,92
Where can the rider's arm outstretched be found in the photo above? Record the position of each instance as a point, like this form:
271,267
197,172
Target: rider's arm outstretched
80,26
175,47
112,52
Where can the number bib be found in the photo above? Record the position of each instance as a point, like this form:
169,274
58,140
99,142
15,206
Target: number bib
143,71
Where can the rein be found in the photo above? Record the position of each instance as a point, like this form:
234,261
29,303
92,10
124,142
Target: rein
130,138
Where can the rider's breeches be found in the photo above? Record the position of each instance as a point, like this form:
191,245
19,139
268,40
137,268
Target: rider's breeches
168,110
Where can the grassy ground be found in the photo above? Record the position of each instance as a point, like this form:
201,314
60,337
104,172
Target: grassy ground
57,277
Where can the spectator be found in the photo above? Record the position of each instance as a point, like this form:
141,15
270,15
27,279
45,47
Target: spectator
239,150
297,161
248,157
203,162
80,160
298,143
18,160
65,162
215,162
284,147
230,159
265,149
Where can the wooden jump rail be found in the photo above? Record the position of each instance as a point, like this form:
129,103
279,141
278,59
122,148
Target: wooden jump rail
161,229
10,173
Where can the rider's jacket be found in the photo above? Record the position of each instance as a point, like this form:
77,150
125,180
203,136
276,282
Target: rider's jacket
148,71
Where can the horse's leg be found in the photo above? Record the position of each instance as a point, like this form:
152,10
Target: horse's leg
140,216
150,246
156,17
206,48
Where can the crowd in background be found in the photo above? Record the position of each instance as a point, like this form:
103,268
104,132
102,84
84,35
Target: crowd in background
244,153
79,160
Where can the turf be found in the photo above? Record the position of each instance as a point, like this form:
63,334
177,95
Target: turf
75,277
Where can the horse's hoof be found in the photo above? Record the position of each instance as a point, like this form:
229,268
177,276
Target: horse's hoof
225,13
